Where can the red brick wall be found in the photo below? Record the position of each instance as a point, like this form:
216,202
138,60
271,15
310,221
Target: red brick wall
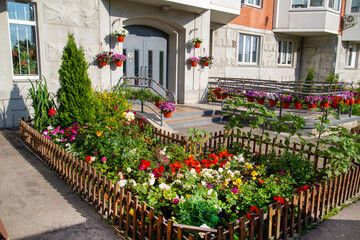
256,17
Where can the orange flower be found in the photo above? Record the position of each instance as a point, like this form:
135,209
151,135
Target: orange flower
99,133
261,181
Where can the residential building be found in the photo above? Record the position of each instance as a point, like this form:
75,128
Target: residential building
258,39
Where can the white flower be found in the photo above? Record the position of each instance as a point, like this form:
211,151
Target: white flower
128,170
241,158
132,182
193,172
209,192
217,207
129,116
203,183
120,175
177,182
67,146
164,186
132,151
179,175
152,179
163,151
92,159
237,172
49,128
122,183
202,234
221,170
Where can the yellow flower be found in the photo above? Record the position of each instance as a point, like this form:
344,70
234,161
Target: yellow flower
187,196
254,178
99,133
237,182
131,212
226,183
254,173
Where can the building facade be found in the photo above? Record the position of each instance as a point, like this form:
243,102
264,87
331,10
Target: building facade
258,39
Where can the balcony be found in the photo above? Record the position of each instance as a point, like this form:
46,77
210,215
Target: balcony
307,17
222,11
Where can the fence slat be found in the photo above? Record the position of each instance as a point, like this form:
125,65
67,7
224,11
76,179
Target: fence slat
160,226
128,208
151,223
135,214
168,230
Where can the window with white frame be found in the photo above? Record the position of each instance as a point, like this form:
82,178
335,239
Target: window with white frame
285,52
355,6
333,4
257,3
22,25
248,49
351,56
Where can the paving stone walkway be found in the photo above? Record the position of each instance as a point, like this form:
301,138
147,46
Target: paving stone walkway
36,204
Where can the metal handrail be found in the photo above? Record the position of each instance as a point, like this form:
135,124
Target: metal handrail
149,83
282,87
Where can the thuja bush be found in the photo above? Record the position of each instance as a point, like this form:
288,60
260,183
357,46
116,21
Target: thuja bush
74,94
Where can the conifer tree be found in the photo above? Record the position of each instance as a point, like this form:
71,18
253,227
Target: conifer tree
74,94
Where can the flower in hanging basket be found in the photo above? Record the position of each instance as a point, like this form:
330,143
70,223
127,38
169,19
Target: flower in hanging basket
286,98
206,61
167,106
313,100
299,99
104,56
196,42
261,95
193,60
121,32
118,59
273,96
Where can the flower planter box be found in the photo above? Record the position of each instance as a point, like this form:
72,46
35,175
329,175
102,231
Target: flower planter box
102,64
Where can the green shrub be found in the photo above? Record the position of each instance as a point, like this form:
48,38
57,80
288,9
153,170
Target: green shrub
74,94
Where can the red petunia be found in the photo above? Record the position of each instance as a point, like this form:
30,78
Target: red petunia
254,209
88,159
144,163
52,112
279,199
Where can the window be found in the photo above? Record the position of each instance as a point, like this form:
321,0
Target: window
351,56
355,6
256,3
22,25
248,49
333,4
285,53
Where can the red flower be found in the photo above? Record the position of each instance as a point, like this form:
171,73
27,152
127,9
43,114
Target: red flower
279,199
144,163
302,189
52,112
254,209
88,159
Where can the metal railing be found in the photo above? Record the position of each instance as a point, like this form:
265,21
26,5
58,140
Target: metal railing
281,87
150,84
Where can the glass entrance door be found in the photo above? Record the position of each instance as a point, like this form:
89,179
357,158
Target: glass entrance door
146,51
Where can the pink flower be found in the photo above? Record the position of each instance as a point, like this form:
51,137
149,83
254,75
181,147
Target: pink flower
116,107
103,159
141,168
96,153
72,138
45,132
62,131
176,200
235,190
47,136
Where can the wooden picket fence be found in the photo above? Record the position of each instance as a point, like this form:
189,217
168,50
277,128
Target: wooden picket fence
229,138
139,221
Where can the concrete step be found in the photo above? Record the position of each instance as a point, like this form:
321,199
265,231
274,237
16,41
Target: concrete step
194,121
192,114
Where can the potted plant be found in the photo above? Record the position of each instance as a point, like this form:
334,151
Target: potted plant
120,34
196,42
286,100
104,57
273,98
250,96
167,108
16,69
193,60
206,61
24,58
157,99
324,101
217,92
311,101
118,59
298,101
260,97
357,97
33,67
335,100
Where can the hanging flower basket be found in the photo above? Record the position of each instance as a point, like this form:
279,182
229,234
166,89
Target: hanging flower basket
260,101
196,42
121,38
120,34
193,61
103,58
352,101
310,106
167,114
357,101
102,63
157,103
285,105
324,105
250,99
272,103
194,64
297,105
206,61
